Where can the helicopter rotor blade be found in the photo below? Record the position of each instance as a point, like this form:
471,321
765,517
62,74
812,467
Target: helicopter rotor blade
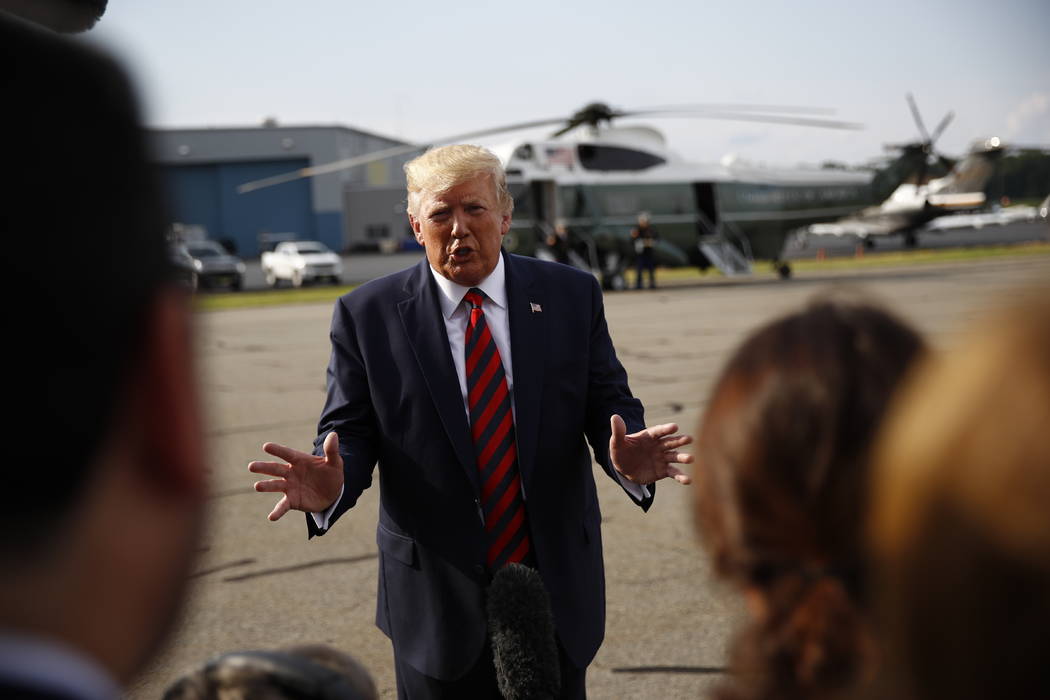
332,167
941,127
732,107
918,118
743,117
589,115
393,152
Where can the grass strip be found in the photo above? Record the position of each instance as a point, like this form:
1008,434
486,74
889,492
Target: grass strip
222,301
872,259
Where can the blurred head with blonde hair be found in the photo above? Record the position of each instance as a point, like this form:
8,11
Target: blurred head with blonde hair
961,520
782,487
305,672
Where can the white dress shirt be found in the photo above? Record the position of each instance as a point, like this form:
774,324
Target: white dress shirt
455,313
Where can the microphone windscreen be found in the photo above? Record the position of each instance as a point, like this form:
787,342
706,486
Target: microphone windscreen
521,627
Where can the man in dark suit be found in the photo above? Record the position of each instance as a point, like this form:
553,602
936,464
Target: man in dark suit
475,381
102,507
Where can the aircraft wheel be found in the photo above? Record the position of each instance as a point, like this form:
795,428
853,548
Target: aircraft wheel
613,278
614,282
910,239
271,279
784,271
869,243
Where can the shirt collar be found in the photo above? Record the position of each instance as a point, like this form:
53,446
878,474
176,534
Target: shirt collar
451,294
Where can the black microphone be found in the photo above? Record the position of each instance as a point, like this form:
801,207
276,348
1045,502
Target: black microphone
521,627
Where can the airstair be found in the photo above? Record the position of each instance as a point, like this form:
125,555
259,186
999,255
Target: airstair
733,259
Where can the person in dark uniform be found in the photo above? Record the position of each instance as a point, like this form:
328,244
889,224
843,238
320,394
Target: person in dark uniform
644,237
558,242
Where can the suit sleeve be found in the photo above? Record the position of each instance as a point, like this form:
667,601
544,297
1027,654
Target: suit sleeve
349,412
608,393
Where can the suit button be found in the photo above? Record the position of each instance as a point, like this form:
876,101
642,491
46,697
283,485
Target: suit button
479,569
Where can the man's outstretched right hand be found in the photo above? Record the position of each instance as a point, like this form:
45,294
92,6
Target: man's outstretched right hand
309,483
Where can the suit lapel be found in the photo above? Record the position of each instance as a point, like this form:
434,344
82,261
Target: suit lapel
528,332
425,328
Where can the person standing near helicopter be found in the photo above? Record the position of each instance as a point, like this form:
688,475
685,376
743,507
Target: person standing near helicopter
644,237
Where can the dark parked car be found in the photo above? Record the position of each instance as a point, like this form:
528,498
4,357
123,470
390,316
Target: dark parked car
215,267
185,269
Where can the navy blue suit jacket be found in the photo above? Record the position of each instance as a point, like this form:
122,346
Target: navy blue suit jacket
394,399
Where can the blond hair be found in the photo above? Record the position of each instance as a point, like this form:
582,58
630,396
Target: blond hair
959,524
440,169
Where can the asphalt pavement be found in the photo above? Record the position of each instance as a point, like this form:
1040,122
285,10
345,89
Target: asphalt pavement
259,584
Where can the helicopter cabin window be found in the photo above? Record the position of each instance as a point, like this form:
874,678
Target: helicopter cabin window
629,200
594,157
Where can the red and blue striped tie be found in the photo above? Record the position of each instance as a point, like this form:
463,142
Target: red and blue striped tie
492,427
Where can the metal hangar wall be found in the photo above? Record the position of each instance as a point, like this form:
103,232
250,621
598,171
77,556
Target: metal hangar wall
201,169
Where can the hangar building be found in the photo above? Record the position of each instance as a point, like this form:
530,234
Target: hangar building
362,207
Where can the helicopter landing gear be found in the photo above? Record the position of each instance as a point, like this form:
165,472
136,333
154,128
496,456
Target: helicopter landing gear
613,279
910,239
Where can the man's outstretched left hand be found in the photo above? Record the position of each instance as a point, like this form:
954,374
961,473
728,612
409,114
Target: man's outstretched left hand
650,454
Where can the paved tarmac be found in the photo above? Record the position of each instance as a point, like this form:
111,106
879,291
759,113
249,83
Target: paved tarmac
261,585
361,267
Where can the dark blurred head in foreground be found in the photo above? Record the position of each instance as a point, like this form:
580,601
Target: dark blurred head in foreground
66,16
782,484
312,672
104,481
961,519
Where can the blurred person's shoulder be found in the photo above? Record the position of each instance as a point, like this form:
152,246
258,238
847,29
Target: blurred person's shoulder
37,50
52,82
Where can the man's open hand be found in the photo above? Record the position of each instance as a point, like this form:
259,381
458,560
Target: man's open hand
309,483
648,455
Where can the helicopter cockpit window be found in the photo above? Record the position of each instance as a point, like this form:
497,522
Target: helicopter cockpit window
523,152
593,157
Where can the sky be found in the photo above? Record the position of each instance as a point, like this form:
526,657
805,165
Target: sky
423,70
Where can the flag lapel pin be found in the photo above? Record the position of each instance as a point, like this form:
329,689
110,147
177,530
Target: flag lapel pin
536,308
